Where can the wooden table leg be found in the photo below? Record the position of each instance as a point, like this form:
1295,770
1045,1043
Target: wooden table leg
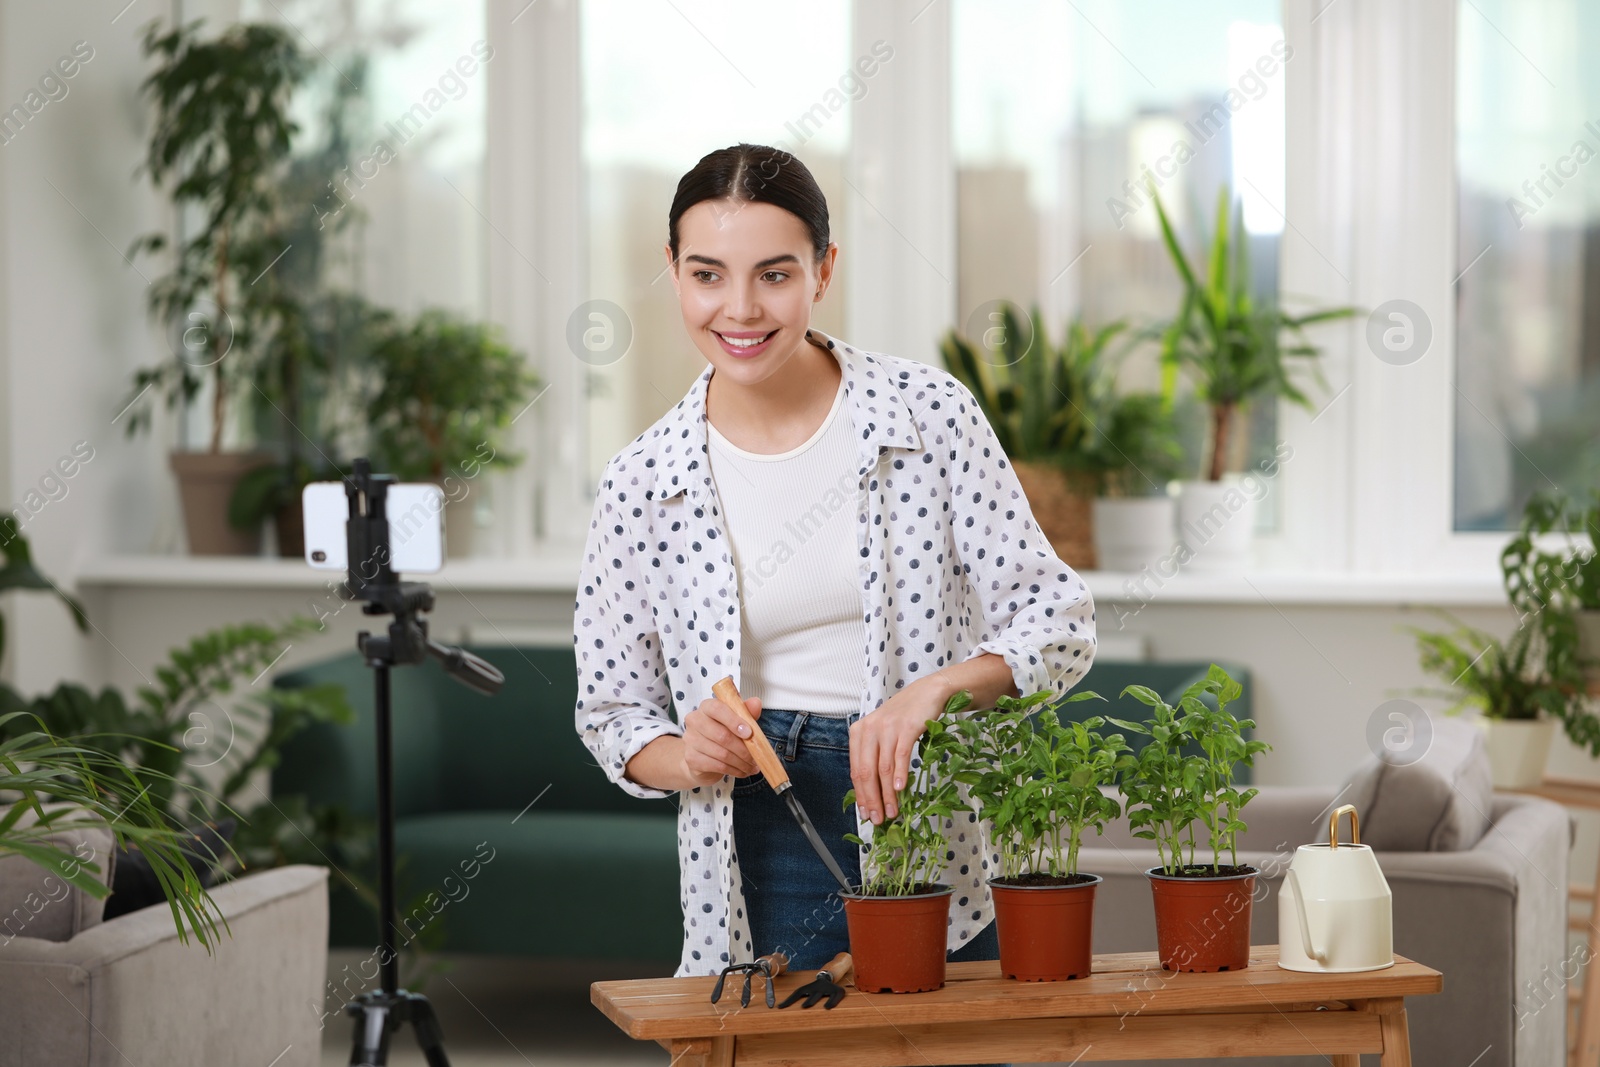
1396,1037
701,1051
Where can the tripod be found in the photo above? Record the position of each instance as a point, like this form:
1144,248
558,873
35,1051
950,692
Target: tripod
382,1011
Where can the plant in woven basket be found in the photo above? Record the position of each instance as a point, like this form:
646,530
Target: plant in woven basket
1049,406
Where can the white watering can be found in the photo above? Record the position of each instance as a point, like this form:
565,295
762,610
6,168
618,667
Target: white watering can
1335,911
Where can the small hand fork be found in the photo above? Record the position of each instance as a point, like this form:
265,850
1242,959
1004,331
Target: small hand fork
827,983
768,966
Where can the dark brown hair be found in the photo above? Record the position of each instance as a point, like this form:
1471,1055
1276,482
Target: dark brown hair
754,174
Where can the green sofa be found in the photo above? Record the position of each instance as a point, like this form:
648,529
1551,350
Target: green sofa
502,815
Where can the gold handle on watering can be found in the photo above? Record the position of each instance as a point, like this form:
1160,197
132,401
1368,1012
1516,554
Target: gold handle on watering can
1333,826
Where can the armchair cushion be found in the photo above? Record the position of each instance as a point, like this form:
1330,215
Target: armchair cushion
40,903
1439,802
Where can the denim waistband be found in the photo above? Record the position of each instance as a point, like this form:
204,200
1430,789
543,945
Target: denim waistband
788,729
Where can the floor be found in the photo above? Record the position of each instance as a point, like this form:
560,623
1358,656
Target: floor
499,1012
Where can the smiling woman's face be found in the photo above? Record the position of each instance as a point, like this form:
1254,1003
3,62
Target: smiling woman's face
746,279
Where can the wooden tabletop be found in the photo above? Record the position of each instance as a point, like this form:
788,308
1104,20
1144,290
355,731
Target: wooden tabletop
656,1009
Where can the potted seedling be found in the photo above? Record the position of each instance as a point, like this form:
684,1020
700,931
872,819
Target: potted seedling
1511,684
1037,780
1238,349
1173,792
899,918
1041,399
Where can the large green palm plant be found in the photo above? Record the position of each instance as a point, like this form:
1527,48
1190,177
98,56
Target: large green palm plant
67,785
1237,348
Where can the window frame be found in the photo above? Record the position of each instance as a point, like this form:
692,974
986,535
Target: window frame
1368,219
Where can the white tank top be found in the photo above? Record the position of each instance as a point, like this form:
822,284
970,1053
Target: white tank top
791,520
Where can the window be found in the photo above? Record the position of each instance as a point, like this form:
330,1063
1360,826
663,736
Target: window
1057,131
1527,405
663,84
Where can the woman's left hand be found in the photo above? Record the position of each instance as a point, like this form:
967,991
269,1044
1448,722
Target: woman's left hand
881,744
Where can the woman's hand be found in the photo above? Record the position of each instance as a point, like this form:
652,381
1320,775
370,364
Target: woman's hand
713,742
881,744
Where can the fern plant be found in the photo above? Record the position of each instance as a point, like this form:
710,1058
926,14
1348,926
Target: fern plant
172,728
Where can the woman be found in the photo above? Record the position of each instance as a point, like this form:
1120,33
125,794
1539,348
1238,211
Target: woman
839,531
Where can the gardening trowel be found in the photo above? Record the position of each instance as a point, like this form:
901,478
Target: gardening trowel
772,770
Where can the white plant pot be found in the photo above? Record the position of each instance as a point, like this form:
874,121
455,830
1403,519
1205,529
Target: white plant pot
1518,750
1216,520
1131,533
1589,647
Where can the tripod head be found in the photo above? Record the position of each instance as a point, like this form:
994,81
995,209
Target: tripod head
369,578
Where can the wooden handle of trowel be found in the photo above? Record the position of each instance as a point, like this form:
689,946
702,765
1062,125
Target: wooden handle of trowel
840,968
760,749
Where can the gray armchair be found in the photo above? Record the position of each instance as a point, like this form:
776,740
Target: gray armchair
1491,917
74,990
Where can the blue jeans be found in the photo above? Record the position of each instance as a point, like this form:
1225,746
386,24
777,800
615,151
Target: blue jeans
792,903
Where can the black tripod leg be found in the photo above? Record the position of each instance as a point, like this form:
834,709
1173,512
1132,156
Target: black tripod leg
430,1037
371,1048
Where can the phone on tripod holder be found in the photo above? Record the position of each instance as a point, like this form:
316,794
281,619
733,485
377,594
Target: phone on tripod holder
370,578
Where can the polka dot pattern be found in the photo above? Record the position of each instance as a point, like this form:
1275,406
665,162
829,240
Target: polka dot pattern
952,565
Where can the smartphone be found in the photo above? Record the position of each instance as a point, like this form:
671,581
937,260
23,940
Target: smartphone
416,526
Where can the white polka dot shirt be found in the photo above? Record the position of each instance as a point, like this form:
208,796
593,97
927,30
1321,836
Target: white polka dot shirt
951,564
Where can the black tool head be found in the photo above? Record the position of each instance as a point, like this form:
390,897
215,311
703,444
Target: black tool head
814,991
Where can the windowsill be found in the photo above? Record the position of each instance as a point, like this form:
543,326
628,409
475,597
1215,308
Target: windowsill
558,573
543,574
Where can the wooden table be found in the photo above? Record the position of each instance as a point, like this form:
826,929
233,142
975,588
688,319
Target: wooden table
1129,1008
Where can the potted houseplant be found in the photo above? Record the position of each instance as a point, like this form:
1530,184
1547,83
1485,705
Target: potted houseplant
899,917
1038,781
1558,590
1512,685
1171,792
1041,399
1237,348
220,136
443,392
1138,453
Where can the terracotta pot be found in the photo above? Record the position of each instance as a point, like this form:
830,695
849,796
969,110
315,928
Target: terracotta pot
1203,924
1045,930
897,944
1064,510
206,481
